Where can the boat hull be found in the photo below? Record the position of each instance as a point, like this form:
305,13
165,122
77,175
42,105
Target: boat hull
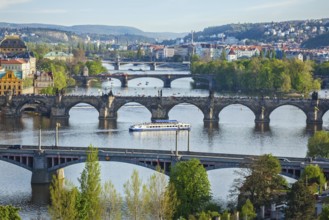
157,129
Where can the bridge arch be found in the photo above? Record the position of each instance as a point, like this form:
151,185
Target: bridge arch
199,107
15,160
159,79
271,111
152,165
37,106
133,103
71,105
238,104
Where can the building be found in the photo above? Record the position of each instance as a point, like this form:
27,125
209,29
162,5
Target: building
11,81
231,56
55,55
12,44
17,65
42,81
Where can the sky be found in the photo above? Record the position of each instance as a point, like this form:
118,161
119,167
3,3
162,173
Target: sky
160,15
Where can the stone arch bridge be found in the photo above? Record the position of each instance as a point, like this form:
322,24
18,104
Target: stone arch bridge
165,78
108,105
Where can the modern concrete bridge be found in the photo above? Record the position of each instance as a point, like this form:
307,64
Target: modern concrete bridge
165,78
108,105
43,163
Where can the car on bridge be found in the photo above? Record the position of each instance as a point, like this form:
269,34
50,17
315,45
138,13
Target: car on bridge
16,146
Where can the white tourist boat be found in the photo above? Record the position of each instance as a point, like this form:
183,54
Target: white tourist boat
160,125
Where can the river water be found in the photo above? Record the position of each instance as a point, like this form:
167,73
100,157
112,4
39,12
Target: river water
236,133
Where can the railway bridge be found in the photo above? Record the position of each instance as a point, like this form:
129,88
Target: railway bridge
43,163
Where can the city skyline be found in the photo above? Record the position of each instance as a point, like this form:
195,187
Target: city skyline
160,16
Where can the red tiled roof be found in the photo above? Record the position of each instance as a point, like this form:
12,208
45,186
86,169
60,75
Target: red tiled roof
13,61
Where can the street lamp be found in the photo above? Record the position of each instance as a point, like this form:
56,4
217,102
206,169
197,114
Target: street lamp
56,135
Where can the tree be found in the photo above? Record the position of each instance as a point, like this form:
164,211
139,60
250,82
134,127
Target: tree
300,202
248,211
136,197
112,202
260,182
313,177
325,212
192,186
318,144
163,198
63,201
9,212
223,55
90,187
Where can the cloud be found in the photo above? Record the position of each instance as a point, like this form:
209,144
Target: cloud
7,3
51,11
272,5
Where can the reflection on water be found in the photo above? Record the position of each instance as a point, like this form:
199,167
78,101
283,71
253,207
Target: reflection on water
236,132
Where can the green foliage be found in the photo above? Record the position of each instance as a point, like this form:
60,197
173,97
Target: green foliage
90,187
27,82
136,197
163,198
325,212
192,186
322,69
63,200
313,177
259,74
95,67
9,212
112,202
248,211
260,182
226,215
318,144
49,90
300,202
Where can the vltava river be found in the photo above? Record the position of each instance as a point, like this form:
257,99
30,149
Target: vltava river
236,133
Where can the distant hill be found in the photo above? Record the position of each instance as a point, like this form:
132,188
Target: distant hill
310,33
97,29
317,42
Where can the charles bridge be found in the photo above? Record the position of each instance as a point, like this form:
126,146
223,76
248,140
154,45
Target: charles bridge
108,105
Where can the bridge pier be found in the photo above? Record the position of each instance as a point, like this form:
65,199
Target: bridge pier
314,118
59,113
116,66
40,173
153,66
167,82
124,82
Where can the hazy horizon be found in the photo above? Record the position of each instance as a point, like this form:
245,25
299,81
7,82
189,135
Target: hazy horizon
160,16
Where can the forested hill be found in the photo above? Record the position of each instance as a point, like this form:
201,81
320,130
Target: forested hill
317,42
97,29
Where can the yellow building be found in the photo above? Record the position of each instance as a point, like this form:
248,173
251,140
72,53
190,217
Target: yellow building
12,44
11,82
